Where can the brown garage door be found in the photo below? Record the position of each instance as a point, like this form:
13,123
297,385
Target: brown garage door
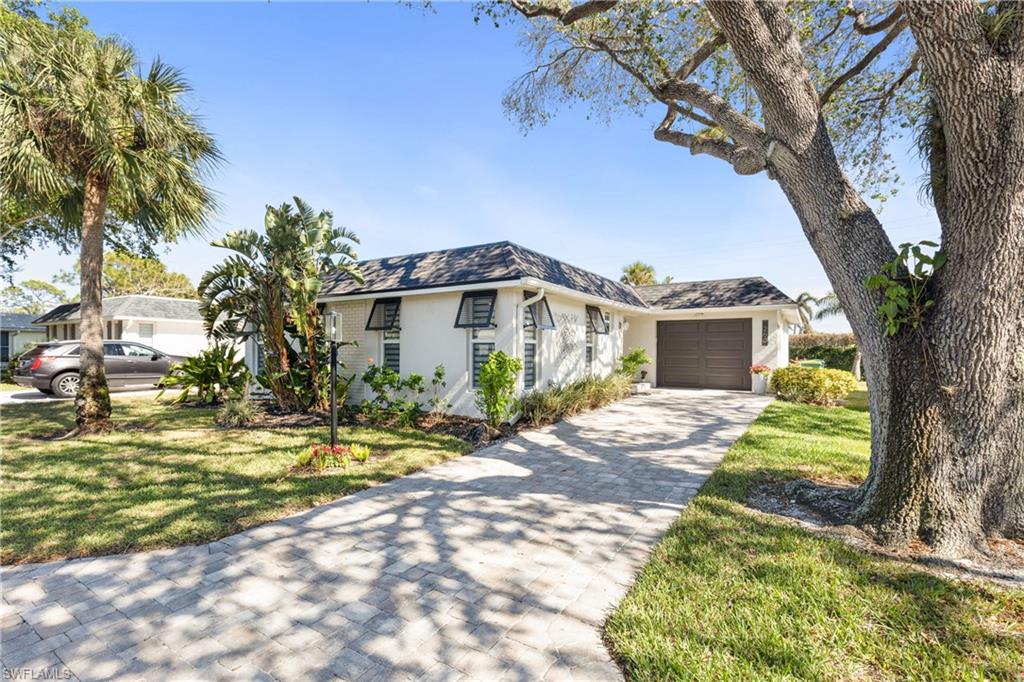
704,353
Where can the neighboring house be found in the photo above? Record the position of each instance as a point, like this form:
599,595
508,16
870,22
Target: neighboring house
17,334
170,325
454,307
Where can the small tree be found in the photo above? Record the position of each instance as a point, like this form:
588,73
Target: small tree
496,396
125,274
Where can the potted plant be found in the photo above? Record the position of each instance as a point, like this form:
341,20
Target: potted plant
759,378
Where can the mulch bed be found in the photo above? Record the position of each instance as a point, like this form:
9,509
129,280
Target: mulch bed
825,507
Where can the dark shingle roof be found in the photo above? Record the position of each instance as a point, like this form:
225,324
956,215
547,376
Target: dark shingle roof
21,321
497,262
134,307
716,293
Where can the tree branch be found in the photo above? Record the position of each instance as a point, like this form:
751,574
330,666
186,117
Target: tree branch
740,127
865,61
565,17
702,54
743,160
867,29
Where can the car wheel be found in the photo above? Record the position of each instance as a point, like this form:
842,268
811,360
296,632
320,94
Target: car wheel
65,385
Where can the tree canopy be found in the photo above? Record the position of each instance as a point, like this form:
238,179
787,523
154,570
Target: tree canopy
125,274
33,296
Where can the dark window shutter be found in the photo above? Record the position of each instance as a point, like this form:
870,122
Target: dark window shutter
595,320
538,314
385,314
476,310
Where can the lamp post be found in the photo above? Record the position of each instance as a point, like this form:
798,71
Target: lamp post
335,328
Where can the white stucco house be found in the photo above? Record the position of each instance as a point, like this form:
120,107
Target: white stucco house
456,306
170,325
17,334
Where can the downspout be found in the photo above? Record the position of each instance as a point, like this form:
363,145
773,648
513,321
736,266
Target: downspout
520,319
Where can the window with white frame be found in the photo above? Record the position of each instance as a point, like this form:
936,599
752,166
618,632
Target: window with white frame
476,313
590,350
391,348
146,331
529,358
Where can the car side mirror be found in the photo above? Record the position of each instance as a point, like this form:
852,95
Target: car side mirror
156,356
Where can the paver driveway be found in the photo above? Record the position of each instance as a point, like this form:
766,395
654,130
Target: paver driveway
498,565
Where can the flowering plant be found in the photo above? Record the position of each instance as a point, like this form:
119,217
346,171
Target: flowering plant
763,370
321,455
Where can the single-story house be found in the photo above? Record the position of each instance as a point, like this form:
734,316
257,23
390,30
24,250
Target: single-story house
456,306
170,325
17,334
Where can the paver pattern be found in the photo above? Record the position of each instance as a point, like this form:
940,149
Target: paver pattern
500,565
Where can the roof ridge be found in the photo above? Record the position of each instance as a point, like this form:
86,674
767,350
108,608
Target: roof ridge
433,251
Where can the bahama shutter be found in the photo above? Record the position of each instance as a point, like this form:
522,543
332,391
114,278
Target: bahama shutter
538,314
476,310
385,314
595,320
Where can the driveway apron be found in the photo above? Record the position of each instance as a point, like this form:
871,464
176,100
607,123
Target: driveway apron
498,565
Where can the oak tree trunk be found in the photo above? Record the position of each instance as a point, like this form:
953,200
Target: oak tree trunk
947,400
92,404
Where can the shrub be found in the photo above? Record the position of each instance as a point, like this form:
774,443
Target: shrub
834,357
633,360
388,390
214,373
553,404
439,402
815,386
496,396
360,453
236,414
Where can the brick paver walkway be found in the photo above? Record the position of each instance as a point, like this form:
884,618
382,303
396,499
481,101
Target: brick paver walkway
499,565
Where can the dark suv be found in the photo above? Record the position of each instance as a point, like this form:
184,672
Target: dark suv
53,367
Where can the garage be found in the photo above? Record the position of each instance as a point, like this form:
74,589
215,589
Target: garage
704,353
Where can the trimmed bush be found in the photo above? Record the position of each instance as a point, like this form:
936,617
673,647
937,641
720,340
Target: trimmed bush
814,386
802,341
554,404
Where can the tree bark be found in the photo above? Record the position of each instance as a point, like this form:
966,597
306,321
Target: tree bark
946,401
92,404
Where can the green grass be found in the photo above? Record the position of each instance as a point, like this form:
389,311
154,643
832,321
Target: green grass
733,595
6,387
173,479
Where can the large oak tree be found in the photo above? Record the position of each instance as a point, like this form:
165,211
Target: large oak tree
814,95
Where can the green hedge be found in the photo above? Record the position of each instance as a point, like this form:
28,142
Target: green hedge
835,357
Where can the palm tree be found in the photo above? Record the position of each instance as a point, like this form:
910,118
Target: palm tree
87,140
830,306
270,286
638,274
804,307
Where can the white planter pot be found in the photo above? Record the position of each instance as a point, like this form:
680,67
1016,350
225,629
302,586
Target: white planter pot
640,387
759,384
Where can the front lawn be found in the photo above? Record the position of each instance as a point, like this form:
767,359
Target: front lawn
173,478
8,387
730,594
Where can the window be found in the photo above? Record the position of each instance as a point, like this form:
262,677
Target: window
596,321
476,310
5,346
482,346
764,332
146,331
391,350
529,357
538,314
590,350
113,349
385,315
133,350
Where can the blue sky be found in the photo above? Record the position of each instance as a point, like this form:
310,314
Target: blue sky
391,117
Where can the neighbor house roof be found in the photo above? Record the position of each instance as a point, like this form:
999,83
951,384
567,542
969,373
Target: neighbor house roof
484,263
19,321
131,307
715,293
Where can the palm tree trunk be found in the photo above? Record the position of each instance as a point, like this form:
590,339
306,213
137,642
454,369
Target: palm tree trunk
856,364
92,404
